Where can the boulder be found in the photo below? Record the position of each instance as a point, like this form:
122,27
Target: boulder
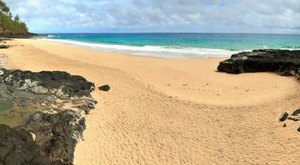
105,88
296,112
283,116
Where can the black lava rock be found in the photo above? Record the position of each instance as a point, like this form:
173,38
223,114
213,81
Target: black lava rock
296,112
283,116
4,46
17,147
60,84
282,61
58,133
49,135
104,88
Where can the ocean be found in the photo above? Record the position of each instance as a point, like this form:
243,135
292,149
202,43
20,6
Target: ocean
179,45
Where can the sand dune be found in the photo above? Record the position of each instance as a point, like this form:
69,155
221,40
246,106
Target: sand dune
167,111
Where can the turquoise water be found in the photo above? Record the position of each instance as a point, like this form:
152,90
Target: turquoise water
181,45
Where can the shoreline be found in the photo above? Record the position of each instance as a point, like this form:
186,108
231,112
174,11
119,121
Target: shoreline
151,51
172,111
191,66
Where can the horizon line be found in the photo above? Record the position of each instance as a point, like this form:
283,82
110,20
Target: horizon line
166,33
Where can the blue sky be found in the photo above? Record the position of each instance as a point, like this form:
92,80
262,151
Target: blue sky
241,16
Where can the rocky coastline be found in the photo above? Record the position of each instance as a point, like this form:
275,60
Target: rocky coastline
52,122
17,35
3,44
283,62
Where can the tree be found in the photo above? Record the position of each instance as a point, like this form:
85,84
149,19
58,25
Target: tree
17,18
8,23
4,8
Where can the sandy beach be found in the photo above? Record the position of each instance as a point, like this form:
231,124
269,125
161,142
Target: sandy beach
172,111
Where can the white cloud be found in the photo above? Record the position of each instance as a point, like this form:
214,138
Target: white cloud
158,15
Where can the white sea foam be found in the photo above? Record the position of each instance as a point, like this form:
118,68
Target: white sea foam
155,51
52,36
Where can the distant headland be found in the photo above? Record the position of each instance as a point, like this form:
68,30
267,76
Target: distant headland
12,26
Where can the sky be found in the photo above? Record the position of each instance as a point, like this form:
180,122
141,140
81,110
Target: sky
209,16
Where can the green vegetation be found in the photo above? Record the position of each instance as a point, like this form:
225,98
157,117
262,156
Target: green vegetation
8,23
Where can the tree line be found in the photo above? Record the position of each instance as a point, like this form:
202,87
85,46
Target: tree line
10,23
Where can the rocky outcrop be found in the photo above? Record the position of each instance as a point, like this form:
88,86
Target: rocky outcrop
58,84
3,44
17,35
17,147
51,132
57,134
285,62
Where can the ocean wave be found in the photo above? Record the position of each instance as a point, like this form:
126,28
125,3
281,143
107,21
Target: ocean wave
156,51
53,36
291,47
